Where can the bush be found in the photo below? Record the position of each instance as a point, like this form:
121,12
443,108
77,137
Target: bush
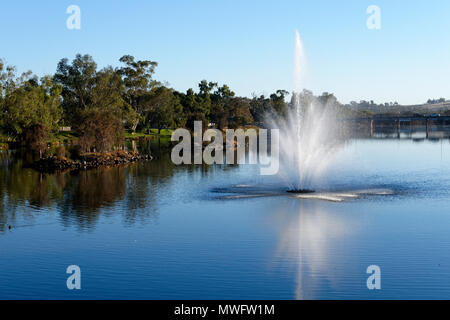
61,152
35,137
75,152
100,130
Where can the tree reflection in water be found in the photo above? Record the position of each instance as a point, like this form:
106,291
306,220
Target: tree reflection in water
80,198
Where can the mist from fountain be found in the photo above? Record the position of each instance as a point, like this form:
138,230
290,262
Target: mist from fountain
310,133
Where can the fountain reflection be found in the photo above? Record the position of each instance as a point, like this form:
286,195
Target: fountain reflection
312,238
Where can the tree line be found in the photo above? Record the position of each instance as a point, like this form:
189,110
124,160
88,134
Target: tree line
100,104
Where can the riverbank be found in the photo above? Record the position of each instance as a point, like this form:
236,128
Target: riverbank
89,161
69,137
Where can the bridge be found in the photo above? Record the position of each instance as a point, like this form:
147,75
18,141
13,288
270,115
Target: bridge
427,120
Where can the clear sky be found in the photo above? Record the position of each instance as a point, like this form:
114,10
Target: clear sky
246,44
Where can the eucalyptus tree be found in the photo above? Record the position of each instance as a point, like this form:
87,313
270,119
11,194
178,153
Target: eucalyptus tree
193,108
8,81
32,102
137,77
95,102
32,109
238,112
278,102
220,108
205,92
101,125
77,79
166,109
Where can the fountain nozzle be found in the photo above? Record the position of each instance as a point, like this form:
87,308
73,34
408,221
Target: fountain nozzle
300,191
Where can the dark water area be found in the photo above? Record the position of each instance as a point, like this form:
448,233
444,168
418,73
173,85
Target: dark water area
153,230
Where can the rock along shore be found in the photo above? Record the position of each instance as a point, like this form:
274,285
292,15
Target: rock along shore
89,161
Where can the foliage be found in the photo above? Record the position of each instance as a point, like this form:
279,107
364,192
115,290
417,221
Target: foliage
165,109
99,130
261,106
77,80
35,136
137,78
29,102
100,105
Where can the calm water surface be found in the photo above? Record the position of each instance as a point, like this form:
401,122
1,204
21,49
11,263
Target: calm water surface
156,231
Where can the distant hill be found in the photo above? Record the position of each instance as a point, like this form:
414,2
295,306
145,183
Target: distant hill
442,108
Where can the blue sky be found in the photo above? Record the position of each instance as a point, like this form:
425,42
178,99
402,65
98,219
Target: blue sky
246,44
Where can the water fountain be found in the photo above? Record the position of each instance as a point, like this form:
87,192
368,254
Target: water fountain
309,132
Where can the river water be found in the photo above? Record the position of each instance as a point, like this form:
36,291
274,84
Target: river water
156,231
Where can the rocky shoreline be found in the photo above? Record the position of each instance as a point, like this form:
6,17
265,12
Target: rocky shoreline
89,161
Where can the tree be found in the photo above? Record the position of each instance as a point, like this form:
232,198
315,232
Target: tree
77,80
278,103
35,137
204,95
30,107
261,106
221,99
101,123
107,94
2,93
7,84
137,77
32,102
100,130
164,108
329,98
193,108
94,102
8,78
239,112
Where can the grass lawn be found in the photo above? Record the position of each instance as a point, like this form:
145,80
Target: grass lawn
64,137
6,138
153,132
61,137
